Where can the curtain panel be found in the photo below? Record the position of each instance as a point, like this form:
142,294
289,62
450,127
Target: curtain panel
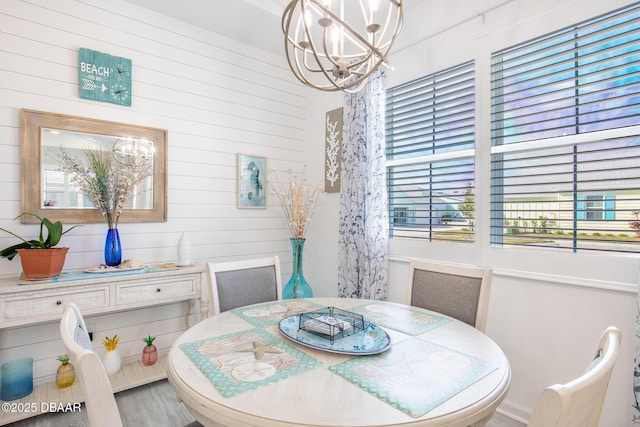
364,225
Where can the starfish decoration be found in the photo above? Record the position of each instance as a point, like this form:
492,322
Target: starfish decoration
293,309
260,349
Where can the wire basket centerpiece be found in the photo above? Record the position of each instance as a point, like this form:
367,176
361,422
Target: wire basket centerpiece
331,323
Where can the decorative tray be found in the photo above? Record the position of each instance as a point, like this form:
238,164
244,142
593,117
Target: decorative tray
126,265
335,331
99,269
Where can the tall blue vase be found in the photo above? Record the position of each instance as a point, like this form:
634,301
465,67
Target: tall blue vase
297,286
112,248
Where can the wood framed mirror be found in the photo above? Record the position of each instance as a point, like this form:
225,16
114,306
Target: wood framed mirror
46,190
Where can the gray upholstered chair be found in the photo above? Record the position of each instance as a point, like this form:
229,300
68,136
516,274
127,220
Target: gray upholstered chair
458,291
578,403
102,409
238,283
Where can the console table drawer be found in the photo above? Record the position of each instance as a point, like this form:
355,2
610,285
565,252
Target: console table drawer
156,292
53,304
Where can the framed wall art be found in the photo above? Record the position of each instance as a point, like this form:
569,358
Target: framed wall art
104,77
252,181
333,150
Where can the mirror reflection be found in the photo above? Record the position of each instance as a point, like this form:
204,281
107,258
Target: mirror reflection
59,191
47,190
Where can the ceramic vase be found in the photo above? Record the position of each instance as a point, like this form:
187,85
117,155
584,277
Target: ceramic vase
184,251
112,362
297,286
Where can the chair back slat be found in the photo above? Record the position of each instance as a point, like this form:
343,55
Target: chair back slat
102,409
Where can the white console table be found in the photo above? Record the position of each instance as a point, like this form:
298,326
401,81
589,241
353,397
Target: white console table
36,303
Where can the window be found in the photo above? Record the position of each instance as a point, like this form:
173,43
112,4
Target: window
400,216
430,148
596,208
565,144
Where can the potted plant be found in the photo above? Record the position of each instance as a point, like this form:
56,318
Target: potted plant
149,352
39,258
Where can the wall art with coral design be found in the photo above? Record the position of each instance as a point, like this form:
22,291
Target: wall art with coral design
333,150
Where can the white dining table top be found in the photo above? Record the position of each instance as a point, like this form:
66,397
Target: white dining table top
438,371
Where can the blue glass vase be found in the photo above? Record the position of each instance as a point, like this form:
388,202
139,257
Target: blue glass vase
16,379
112,248
297,286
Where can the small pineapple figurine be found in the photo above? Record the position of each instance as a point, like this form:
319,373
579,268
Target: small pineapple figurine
111,360
66,374
149,353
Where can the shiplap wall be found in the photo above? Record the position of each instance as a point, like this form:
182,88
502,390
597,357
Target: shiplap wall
215,103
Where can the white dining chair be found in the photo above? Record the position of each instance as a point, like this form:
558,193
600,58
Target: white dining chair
578,403
237,283
102,409
459,291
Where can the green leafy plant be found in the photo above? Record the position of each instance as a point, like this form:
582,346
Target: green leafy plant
54,234
149,340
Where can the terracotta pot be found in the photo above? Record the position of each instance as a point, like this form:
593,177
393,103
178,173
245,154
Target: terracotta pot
42,263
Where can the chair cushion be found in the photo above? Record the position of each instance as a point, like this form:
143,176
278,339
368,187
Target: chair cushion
244,287
453,295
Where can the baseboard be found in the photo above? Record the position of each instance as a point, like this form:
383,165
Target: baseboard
514,411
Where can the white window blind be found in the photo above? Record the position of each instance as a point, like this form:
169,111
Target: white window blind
565,145
430,147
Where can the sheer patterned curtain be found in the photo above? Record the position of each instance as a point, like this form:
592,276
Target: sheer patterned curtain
364,227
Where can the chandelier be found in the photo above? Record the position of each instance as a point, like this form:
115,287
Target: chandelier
337,46
135,154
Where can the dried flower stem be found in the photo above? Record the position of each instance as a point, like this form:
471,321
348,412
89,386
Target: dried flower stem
106,182
298,200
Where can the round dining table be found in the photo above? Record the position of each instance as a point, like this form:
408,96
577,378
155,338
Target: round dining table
386,364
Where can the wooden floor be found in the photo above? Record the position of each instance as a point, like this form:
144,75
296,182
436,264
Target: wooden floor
502,421
155,405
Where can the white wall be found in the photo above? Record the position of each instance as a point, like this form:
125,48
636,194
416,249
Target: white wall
547,309
214,102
